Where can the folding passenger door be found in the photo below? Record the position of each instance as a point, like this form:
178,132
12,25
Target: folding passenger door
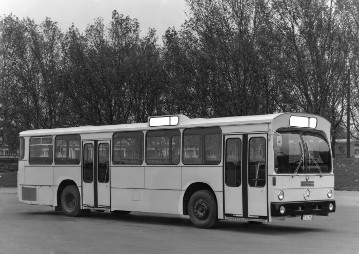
257,176
96,174
233,175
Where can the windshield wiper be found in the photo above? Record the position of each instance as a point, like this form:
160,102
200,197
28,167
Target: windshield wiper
312,159
301,159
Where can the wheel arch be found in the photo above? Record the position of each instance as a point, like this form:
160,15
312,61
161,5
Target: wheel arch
191,189
60,189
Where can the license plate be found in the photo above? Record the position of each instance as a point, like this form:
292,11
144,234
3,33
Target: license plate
307,217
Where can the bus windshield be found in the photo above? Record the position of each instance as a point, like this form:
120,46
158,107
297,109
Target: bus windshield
301,153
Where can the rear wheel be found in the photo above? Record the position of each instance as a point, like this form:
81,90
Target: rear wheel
202,209
70,201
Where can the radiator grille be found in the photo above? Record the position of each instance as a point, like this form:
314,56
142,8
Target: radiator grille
28,194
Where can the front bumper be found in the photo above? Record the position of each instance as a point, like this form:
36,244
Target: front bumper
295,209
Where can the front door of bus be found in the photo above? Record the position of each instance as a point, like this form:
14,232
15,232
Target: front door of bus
96,174
257,176
245,176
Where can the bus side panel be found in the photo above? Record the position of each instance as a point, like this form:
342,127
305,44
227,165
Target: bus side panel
35,184
39,175
163,177
62,173
128,177
145,200
21,173
45,195
211,175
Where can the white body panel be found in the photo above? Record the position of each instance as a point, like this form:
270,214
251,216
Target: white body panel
88,198
63,172
211,175
293,191
39,175
45,195
127,177
163,177
145,200
233,200
103,194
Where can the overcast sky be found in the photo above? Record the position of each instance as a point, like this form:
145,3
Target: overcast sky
158,14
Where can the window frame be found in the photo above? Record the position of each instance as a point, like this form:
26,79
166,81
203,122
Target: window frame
52,154
21,148
173,132
240,159
103,167
203,132
84,166
301,133
56,160
128,134
265,162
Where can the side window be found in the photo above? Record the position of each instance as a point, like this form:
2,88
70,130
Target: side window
233,165
22,148
192,149
67,149
212,146
202,146
257,162
88,161
163,147
41,150
103,163
127,148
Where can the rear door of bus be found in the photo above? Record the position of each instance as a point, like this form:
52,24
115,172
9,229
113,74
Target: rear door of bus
96,174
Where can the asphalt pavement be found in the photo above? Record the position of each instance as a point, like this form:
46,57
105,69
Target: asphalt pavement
39,229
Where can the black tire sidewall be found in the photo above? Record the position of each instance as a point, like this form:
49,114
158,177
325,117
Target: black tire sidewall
210,200
72,190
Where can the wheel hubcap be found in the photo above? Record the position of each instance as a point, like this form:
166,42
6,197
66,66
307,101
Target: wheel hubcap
201,209
70,201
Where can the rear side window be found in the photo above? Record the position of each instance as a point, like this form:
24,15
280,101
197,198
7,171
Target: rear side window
41,150
202,146
128,148
67,149
163,147
22,148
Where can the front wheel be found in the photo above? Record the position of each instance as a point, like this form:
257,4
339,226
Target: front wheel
202,209
70,201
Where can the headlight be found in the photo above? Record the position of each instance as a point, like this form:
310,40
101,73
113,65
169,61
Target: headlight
331,207
281,195
330,193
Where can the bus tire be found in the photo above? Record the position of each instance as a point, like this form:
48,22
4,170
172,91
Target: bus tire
70,201
202,209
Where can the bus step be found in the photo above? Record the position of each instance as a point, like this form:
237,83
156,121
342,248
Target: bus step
234,218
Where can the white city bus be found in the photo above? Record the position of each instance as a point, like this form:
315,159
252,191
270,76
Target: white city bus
251,168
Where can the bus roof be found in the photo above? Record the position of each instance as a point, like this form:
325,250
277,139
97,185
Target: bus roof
184,122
